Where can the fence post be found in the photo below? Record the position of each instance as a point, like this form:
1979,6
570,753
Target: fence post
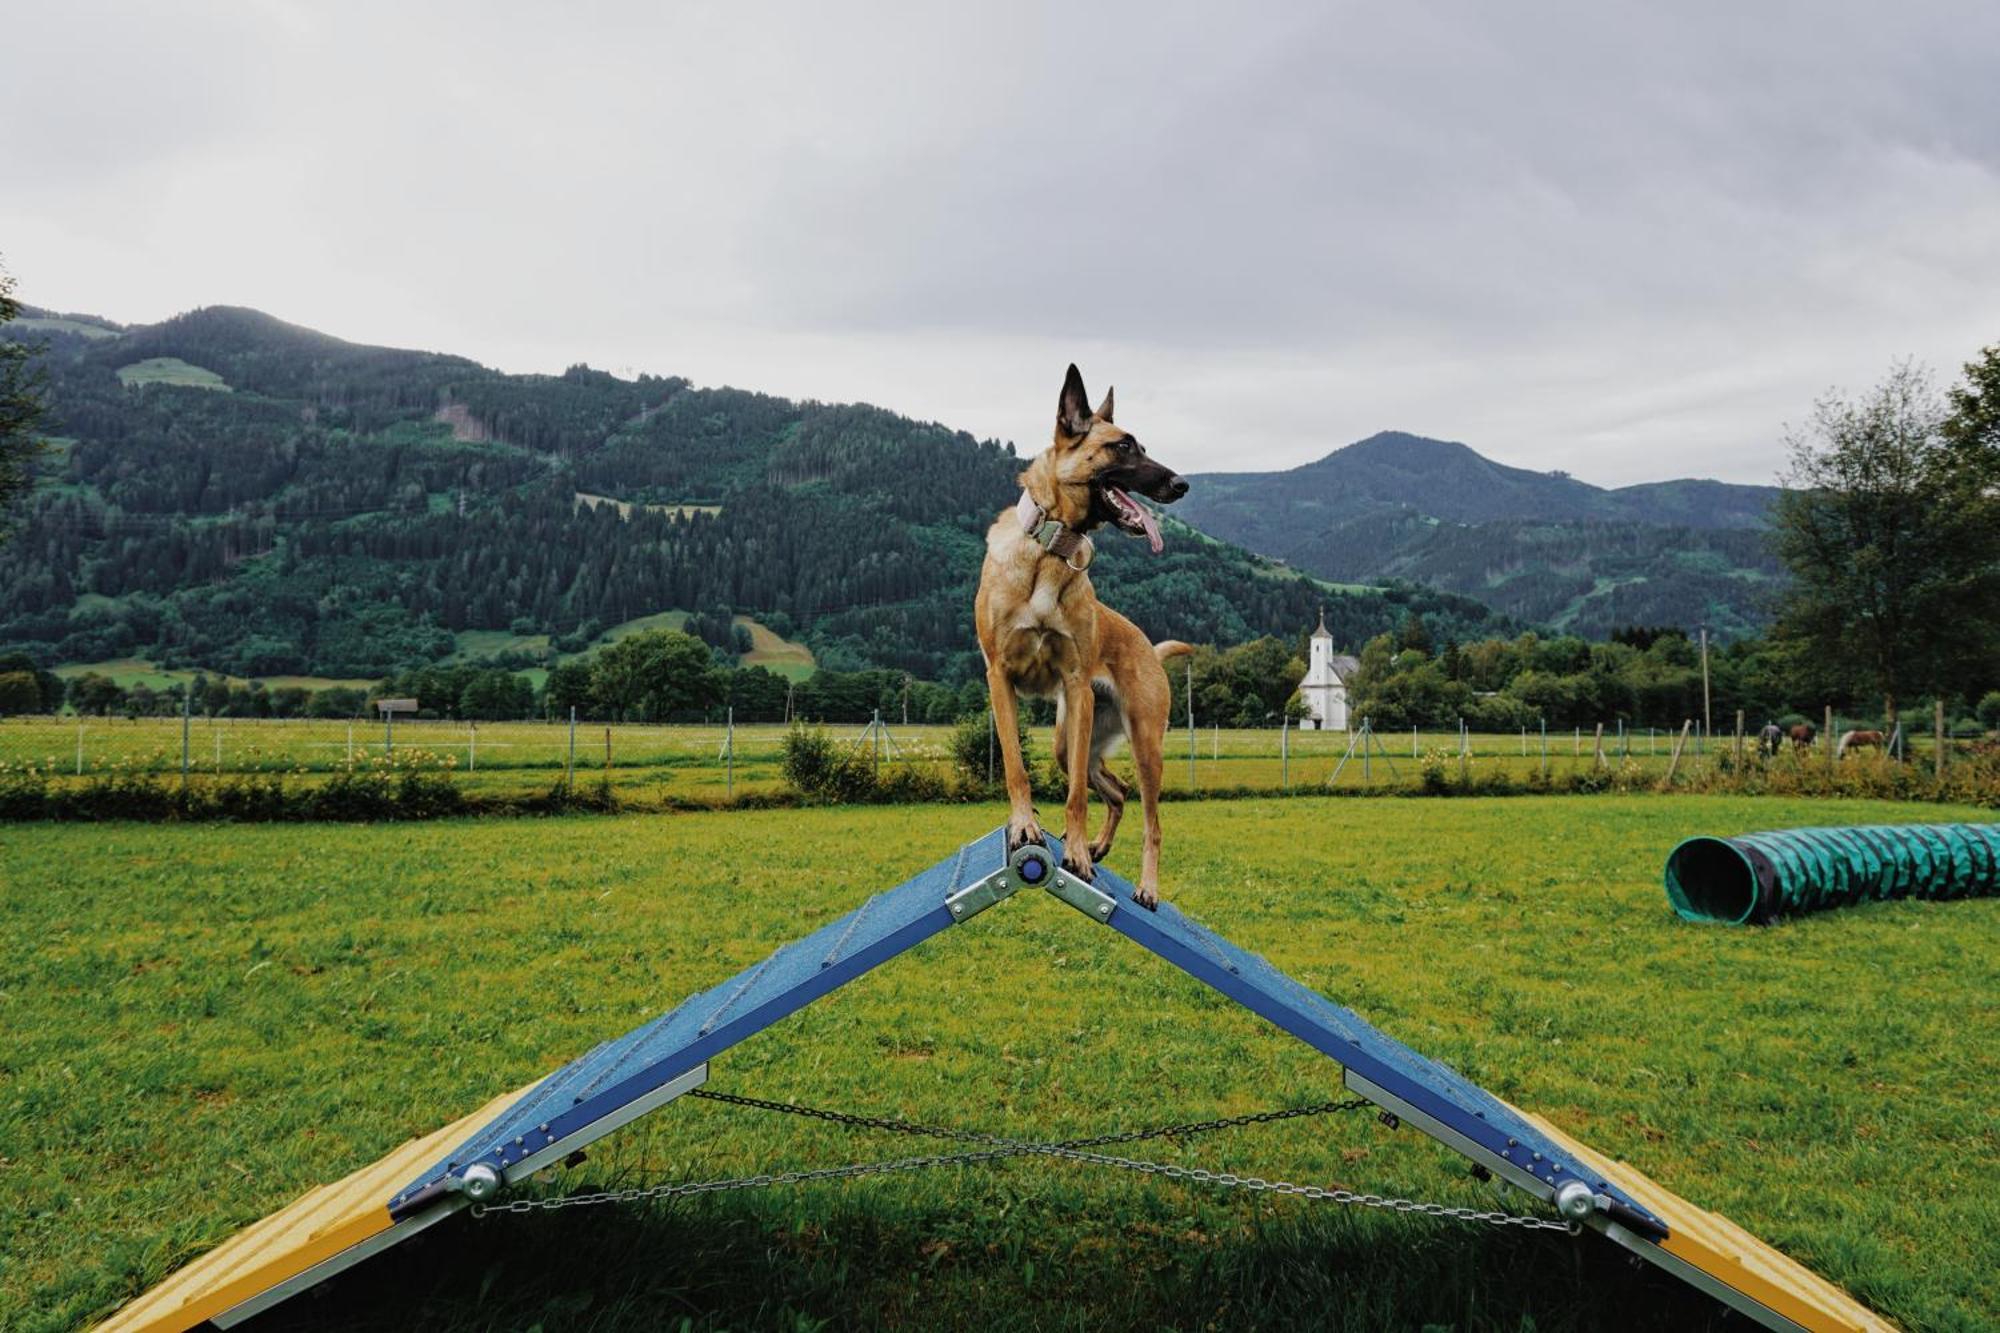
1190,707
607,752
1829,740
1680,743
1413,740
729,769
1524,740
350,740
1545,747
1576,751
1624,741
1938,724
569,765
1597,747
1739,744
79,747
388,732
1367,777
472,747
1285,749
187,705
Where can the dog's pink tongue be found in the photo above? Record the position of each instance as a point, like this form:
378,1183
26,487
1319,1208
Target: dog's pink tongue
1152,526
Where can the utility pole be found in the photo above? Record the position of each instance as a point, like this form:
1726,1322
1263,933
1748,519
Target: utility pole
1707,716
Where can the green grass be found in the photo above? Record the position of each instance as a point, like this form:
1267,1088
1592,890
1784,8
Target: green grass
203,1021
171,370
654,765
130,671
39,324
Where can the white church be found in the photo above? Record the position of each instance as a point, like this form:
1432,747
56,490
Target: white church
1325,687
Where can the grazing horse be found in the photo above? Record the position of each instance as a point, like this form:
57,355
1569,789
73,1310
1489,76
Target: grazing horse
1856,740
1769,739
1803,735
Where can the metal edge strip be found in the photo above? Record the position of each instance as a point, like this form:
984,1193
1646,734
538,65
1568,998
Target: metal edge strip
605,1124
1698,1278
335,1264
1448,1136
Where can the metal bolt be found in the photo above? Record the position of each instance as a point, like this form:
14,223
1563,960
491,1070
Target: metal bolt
481,1182
1574,1200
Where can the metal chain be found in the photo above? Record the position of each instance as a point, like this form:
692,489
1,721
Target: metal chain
1000,1149
894,1126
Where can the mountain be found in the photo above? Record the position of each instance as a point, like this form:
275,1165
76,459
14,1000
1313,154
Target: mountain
230,491
1540,546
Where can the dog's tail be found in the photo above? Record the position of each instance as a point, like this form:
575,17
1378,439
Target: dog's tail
1168,649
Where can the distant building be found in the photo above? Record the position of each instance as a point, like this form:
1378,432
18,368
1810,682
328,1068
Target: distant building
1325,687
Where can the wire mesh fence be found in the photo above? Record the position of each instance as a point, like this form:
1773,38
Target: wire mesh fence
719,761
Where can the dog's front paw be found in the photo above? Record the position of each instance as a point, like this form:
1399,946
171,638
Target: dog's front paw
1021,832
1076,860
1147,896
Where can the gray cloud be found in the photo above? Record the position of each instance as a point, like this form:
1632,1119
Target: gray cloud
1628,240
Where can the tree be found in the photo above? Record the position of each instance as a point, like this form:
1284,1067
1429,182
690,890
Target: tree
21,409
1890,528
19,693
654,674
569,686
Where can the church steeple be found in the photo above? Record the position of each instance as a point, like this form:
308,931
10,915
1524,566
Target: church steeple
1321,632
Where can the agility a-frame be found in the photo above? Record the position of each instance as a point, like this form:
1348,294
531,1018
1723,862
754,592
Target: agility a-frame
478,1159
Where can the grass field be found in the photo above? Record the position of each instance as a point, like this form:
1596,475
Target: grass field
203,1021
130,671
171,370
789,659
652,765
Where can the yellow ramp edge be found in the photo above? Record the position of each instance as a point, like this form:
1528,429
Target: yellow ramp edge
1729,1254
315,1226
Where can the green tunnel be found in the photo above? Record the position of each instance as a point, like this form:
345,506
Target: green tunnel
1758,877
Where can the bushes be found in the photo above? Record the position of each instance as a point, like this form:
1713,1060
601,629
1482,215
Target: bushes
410,785
838,772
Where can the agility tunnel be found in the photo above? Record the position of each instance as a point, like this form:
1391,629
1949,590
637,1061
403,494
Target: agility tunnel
479,1162
1755,878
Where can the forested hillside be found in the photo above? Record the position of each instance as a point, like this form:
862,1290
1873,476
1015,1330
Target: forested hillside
1540,546
236,493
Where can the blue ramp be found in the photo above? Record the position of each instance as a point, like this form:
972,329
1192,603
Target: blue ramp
631,1075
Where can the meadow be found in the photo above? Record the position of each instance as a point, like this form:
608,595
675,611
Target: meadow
651,767
204,1020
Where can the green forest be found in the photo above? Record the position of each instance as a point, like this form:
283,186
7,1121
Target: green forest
308,506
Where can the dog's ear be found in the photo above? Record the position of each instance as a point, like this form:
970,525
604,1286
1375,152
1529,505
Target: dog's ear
1073,408
1104,408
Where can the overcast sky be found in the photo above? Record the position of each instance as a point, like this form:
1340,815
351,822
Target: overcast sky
1626,240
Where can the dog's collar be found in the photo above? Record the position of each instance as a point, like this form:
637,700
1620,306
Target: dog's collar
1064,543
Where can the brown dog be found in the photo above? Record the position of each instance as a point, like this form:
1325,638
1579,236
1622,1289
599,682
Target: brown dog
1043,631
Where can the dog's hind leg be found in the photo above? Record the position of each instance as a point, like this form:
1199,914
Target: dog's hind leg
1112,790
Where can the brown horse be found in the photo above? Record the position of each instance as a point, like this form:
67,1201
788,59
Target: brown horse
1859,740
1803,736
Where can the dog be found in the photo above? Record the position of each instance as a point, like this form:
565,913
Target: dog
1042,631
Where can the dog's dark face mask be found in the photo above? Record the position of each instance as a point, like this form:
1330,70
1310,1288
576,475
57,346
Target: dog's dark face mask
1114,464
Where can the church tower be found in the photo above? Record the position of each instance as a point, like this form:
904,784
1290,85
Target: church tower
1325,687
